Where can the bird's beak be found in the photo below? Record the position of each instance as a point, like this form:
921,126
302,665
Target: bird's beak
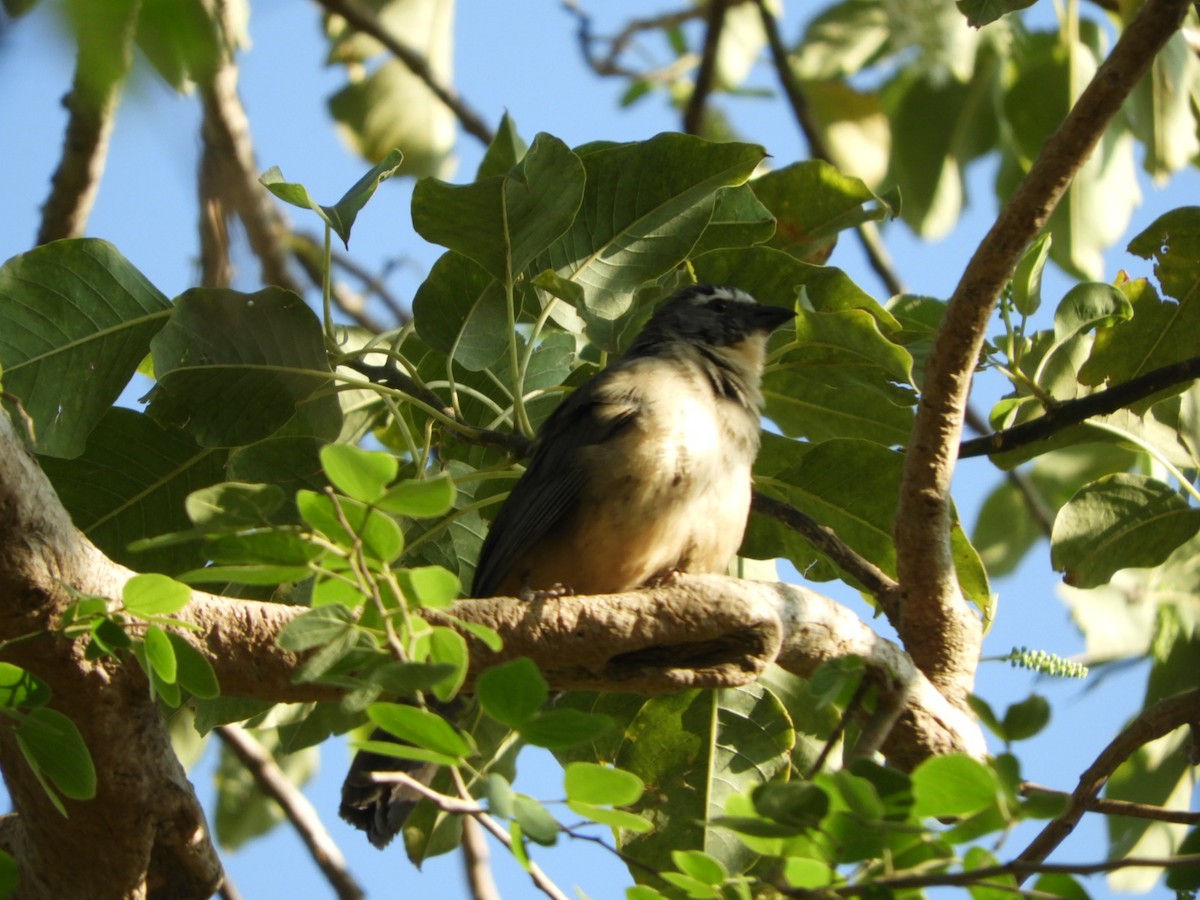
768,318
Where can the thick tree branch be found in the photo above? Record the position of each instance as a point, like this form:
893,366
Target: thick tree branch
105,55
1072,412
1158,720
275,784
694,632
937,627
363,18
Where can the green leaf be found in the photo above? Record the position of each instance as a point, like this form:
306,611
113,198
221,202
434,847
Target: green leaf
154,595
812,203
316,627
645,205
953,785
560,728
503,222
404,751
613,818
10,875
1027,277
699,749
1160,109
422,498
739,219
431,587
504,152
460,311
194,672
700,866
537,824
160,654
53,747
147,473
361,474
500,796
591,783
266,348
449,647
984,12
78,320
799,804
421,727
381,537
340,217
21,689
234,504
1186,879
1120,521
512,692
1025,719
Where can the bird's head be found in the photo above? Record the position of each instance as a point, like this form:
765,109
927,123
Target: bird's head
712,319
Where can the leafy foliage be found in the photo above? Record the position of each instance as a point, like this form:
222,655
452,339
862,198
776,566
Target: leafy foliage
246,472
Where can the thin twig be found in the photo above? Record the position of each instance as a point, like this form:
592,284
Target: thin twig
276,785
458,806
364,19
979,877
372,284
874,580
937,627
1072,412
311,260
1108,807
1150,724
706,74
105,56
391,376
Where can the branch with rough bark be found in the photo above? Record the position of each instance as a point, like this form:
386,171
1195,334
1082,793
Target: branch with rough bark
695,632
937,627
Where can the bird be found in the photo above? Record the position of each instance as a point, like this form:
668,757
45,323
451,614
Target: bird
640,474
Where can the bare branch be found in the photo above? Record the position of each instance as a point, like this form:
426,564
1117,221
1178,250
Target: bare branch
476,862
1120,807
1072,412
937,626
982,877
1152,723
363,18
457,806
275,784
874,580
868,234
229,150
105,55
693,114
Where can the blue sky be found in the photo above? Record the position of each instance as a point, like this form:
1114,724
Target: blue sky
521,58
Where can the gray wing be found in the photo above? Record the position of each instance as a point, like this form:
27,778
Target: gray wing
547,495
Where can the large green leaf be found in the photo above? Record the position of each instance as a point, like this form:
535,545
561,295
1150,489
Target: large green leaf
697,749
234,367
504,221
1120,521
78,318
775,277
1160,332
812,202
645,206
460,311
1161,109
131,483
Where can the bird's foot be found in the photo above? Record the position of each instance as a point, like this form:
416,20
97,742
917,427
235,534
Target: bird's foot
553,592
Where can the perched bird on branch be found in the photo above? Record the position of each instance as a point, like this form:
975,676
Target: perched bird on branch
642,472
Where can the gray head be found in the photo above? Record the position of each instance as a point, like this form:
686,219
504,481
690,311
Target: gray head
708,315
